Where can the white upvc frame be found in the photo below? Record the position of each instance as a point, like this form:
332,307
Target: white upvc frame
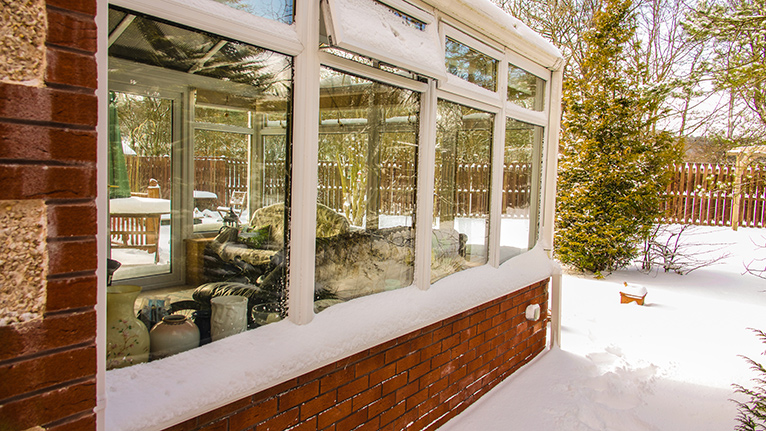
411,10
102,212
301,40
305,176
496,153
523,114
181,160
425,186
340,25
458,85
223,20
426,153
362,70
496,181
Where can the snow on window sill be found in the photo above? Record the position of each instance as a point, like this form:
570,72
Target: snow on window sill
160,394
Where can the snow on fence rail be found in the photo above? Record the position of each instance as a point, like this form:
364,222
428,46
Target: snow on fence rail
703,194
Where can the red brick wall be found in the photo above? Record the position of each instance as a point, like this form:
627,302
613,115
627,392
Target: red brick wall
417,381
48,153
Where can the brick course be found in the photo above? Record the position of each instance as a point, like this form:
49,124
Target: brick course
48,152
416,382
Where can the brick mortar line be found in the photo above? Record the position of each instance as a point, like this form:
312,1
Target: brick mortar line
64,11
68,311
67,275
69,49
52,388
50,163
48,352
66,239
76,89
71,418
73,201
48,124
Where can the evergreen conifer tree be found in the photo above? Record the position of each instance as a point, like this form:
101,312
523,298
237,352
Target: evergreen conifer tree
613,165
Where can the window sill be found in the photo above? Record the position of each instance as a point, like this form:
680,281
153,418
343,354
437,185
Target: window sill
160,394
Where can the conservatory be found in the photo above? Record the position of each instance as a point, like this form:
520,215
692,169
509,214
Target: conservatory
323,213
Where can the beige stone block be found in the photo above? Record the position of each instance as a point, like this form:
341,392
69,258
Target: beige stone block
23,29
23,260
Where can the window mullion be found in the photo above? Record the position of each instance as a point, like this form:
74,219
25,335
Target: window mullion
425,187
304,166
496,187
550,158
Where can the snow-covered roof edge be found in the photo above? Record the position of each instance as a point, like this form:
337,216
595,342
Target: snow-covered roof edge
160,394
495,23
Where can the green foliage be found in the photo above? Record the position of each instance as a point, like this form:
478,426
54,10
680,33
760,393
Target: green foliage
738,29
752,413
255,238
613,166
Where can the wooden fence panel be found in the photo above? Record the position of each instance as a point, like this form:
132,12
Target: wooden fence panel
702,194
142,169
699,194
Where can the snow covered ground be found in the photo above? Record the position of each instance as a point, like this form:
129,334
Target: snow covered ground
667,365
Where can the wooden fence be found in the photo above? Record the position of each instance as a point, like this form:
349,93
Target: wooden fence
223,176
703,194
700,194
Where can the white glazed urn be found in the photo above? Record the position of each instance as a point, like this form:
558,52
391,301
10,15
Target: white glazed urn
174,334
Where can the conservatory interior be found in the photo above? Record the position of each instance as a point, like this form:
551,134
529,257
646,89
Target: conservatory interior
269,161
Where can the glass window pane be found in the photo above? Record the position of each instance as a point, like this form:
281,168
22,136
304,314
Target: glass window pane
278,10
521,182
366,197
140,189
471,65
200,124
525,89
462,189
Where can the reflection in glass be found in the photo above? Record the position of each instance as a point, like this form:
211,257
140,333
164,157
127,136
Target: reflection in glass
471,65
201,122
366,197
461,191
525,89
521,179
278,10
140,144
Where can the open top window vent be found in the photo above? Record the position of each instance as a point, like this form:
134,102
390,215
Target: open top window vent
375,30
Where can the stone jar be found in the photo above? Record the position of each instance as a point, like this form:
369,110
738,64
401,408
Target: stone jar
229,316
127,339
174,334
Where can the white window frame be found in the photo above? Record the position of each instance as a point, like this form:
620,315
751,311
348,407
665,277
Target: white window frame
217,18
300,40
457,85
181,161
518,112
336,19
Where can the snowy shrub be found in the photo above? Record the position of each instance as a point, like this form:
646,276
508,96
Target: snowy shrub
752,413
670,248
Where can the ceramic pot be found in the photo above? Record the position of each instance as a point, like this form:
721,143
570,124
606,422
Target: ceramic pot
174,334
127,339
229,316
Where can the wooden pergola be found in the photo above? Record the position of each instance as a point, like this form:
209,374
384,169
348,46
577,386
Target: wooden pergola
744,155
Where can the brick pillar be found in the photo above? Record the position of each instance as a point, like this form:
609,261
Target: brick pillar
48,258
